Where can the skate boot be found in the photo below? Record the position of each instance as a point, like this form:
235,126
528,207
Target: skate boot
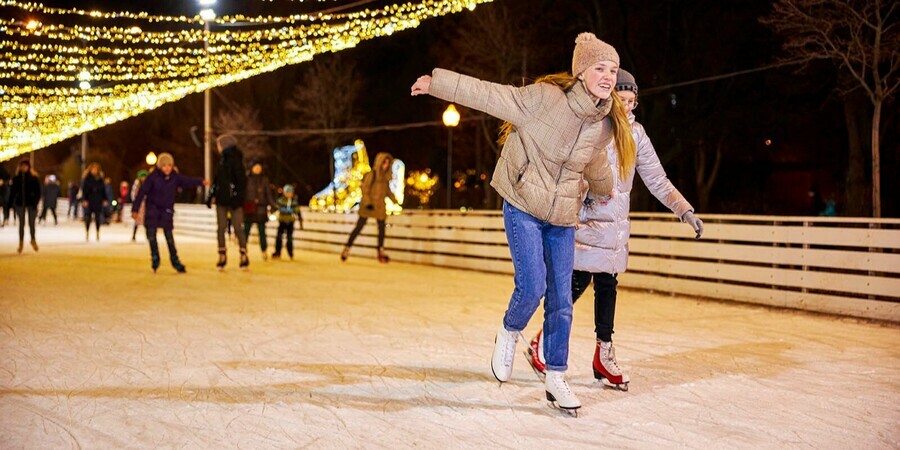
179,267
154,262
223,259
98,235
382,257
276,256
87,236
559,394
21,246
504,351
606,368
265,256
34,245
345,254
245,261
535,356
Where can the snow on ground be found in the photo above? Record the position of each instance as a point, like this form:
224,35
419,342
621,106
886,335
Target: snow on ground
98,352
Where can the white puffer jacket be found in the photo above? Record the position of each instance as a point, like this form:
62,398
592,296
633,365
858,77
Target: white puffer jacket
602,232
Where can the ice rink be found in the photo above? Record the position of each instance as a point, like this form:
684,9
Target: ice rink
98,352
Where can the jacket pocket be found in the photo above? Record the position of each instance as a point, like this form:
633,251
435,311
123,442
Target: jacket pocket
521,175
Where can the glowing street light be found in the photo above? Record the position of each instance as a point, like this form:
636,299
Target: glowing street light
451,119
84,84
151,159
207,14
206,2
32,25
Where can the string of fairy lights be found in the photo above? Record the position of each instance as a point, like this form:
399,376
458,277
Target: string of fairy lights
71,70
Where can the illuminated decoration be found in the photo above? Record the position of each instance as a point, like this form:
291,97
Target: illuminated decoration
422,184
343,194
135,67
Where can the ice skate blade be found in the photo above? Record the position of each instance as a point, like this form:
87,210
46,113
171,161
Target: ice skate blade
555,405
608,384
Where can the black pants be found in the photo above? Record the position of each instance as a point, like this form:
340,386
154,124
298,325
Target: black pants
604,299
359,226
44,213
261,227
73,209
20,214
154,245
98,218
286,230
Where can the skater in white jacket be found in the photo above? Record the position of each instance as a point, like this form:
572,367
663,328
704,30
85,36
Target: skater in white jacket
601,240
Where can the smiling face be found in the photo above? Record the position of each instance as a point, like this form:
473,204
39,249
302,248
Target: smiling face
600,79
166,169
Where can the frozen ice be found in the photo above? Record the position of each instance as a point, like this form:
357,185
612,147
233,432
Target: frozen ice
98,352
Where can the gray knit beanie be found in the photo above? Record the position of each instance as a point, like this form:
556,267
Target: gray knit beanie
165,159
589,51
625,81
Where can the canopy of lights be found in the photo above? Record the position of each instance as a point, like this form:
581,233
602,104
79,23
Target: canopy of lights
69,71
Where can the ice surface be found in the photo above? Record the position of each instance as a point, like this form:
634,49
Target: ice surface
97,352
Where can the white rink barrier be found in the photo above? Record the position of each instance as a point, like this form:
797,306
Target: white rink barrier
844,266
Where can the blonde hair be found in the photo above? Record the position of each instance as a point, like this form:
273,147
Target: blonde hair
625,146
90,166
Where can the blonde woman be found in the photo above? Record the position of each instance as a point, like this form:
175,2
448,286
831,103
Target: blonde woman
556,136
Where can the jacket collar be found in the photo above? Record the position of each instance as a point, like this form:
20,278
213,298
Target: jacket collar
582,105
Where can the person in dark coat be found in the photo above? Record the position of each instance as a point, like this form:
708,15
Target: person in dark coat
257,203
25,193
93,198
4,195
229,189
51,196
73,200
159,191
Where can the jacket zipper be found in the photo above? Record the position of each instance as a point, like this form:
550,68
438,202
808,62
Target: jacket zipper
561,168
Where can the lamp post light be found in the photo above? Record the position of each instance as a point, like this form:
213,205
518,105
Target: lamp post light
451,120
151,159
207,14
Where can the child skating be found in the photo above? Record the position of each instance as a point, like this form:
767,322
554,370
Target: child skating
601,240
555,137
159,190
288,213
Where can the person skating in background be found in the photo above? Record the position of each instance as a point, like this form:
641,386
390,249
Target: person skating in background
288,213
375,188
228,192
51,197
24,196
73,200
257,203
93,198
158,193
4,195
110,200
142,208
554,138
123,199
601,239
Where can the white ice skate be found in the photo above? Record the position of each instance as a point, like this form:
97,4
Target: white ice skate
504,351
559,394
606,368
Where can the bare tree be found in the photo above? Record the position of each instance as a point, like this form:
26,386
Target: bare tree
244,118
326,98
862,36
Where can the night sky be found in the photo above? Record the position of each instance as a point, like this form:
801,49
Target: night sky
782,131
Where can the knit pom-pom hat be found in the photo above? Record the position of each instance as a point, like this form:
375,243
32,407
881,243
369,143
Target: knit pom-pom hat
589,51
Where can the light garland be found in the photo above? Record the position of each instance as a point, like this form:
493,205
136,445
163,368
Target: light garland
60,80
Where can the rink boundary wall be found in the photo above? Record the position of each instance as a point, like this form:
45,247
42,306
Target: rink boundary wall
843,266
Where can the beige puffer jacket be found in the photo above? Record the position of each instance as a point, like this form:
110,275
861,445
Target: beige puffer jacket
558,139
602,233
375,188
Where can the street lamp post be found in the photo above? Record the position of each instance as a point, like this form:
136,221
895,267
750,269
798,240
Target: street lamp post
451,120
207,15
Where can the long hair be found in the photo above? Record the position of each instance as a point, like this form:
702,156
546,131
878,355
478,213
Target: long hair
87,171
625,147
562,80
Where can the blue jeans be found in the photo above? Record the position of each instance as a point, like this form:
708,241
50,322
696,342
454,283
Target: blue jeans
543,257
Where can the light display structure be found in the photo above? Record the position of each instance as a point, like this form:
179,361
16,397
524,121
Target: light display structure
343,194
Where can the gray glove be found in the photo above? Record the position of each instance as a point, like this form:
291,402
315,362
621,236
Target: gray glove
694,221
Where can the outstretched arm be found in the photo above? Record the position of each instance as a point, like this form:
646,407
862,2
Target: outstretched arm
512,104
